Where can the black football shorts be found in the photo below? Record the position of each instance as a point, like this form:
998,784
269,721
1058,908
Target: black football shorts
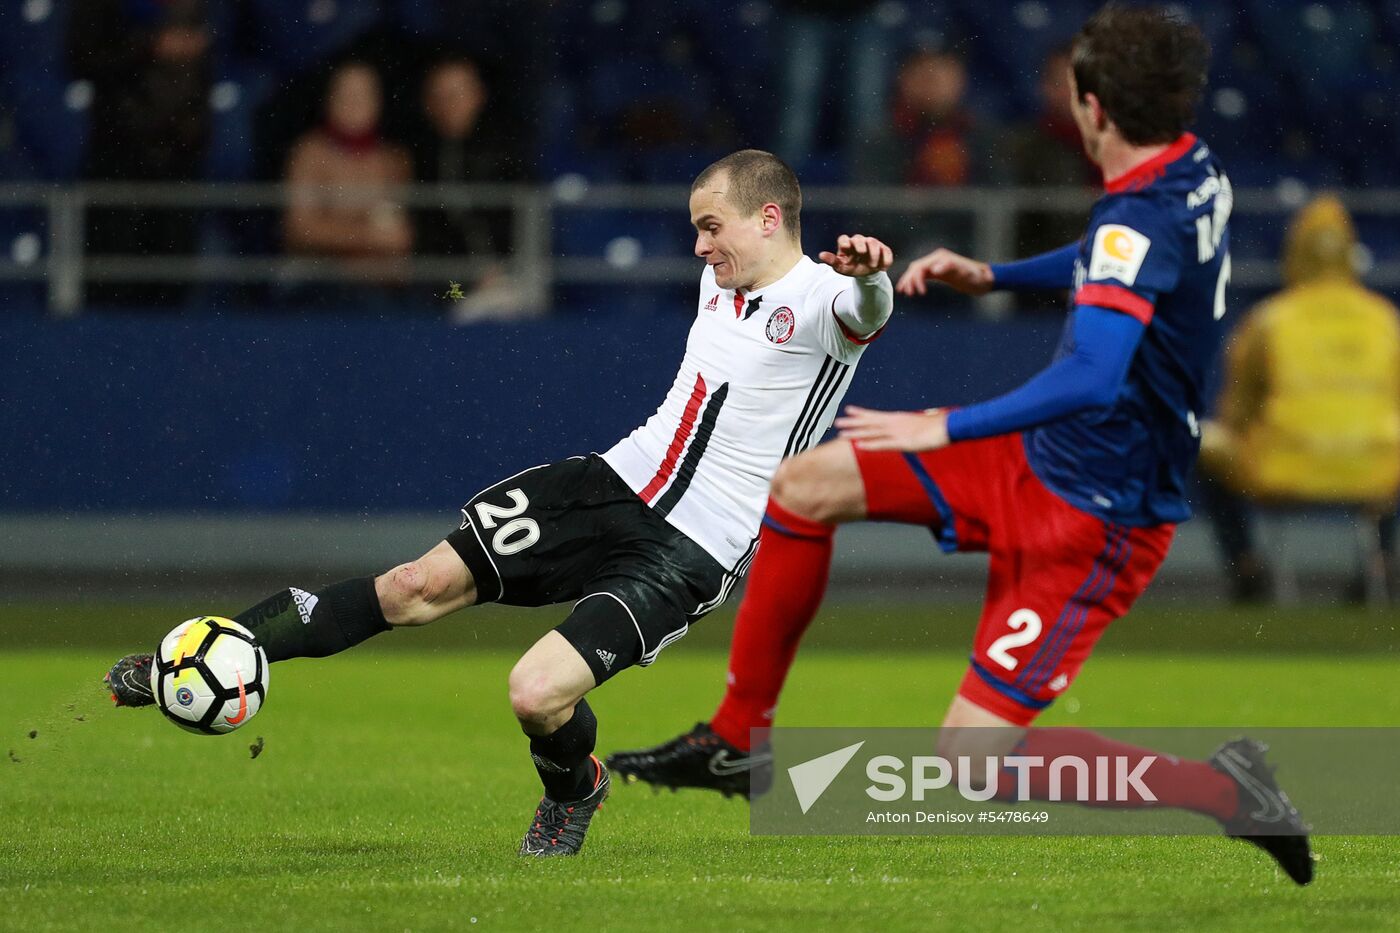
573,530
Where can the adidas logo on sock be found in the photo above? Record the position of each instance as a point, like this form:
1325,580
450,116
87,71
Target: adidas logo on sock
608,658
306,602
544,764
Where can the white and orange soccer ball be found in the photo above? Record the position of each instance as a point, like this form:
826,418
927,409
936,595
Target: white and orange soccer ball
209,675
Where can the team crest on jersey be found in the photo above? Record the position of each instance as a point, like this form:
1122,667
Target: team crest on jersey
781,325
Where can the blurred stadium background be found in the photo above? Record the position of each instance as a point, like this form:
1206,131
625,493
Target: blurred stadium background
205,394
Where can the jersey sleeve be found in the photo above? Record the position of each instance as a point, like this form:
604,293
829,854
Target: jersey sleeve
837,338
1131,256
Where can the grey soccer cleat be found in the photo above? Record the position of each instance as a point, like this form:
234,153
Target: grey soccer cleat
559,826
130,680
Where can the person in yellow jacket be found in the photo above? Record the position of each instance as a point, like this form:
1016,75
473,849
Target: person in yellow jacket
1309,410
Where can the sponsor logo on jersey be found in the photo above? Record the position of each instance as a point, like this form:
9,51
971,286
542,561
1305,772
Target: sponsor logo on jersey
781,325
608,657
306,603
1118,253
712,304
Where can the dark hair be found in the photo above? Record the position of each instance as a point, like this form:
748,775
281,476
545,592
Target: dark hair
1147,68
757,178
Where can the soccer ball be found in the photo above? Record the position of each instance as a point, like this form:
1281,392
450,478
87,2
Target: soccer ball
209,675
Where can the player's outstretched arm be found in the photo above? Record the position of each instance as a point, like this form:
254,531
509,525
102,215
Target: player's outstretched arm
864,309
1090,376
969,276
1051,270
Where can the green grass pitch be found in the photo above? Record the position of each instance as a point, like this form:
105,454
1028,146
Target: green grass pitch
394,787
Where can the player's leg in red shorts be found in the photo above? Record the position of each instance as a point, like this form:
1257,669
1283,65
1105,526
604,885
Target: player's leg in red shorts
1058,577
811,495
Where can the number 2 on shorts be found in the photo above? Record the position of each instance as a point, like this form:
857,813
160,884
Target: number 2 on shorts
1028,626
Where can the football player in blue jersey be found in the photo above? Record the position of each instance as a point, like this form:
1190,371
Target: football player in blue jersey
1072,483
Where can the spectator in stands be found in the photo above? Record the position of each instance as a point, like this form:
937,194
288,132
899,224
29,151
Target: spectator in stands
1047,152
148,64
459,145
936,141
1310,408
940,142
344,178
833,44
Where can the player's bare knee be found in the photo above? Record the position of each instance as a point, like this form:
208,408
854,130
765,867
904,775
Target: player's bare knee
807,486
535,698
404,593
796,487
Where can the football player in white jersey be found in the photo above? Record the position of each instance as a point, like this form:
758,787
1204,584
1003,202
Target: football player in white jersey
650,536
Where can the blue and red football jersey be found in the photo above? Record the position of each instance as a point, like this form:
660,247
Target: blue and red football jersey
1157,248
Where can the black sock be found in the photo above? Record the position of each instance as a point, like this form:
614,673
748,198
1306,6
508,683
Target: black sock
298,624
562,757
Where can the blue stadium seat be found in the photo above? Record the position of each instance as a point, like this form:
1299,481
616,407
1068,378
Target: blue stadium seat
298,34
51,122
238,90
23,239
1320,45
1016,36
1390,18
33,39
1381,236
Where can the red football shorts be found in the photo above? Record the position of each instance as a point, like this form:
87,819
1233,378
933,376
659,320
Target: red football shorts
1058,575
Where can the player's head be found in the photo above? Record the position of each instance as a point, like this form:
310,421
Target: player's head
746,209
1138,72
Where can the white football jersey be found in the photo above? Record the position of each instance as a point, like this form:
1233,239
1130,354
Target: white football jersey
762,378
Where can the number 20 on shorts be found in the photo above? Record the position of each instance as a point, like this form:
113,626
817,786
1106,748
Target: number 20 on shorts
517,533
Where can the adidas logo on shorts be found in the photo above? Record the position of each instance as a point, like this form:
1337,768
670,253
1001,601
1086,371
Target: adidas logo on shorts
608,658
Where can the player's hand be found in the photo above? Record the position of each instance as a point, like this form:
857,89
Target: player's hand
943,265
894,430
858,255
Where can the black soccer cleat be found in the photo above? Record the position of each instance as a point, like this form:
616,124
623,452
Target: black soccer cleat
559,826
130,680
1266,817
699,758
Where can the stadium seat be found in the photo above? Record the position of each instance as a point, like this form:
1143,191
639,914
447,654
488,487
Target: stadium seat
296,35
1016,36
33,39
51,124
237,91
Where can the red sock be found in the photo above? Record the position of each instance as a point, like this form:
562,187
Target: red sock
786,585
1175,782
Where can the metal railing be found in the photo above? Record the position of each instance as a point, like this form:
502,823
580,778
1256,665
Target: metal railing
65,267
